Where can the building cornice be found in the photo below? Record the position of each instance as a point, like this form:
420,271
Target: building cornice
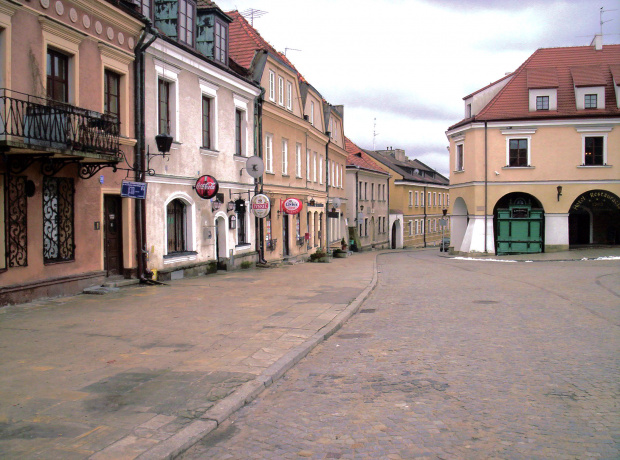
541,182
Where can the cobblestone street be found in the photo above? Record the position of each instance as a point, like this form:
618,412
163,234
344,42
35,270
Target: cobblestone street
451,359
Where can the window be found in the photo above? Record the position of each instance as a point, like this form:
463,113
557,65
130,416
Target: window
312,113
272,85
298,160
268,229
410,227
289,95
417,201
315,167
269,153
590,101
468,111
459,157
241,227
163,96
428,200
360,193
175,226
372,192
517,152
594,151
58,231
144,6
238,130
111,94
206,122
185,21
411,198
57,76
421,226
308,164
422,199
280,91
366,227
320,169
434,198
365,191
298,225
221,42
332,174
542,102
284,156
14,249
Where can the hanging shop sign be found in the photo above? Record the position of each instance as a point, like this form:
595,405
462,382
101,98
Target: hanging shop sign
260,205
292,206
206,187
136,190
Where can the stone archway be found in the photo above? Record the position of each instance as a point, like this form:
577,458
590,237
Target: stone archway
594,218
458,223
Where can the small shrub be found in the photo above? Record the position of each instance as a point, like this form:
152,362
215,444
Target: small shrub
317,255
246,264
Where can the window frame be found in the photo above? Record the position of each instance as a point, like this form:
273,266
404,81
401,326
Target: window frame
54,56
280,91
289,95
220,43
186,35
584,138
163,102
64,219
108,76
238,132
542,102
459,163
298,160
179,238
589,99
207,135
285,157
272,85
269,153
509,150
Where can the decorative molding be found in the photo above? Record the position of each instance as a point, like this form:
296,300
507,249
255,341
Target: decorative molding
518,132
115,54
8,9
60,30
594,129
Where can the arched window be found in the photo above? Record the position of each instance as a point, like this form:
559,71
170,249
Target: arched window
176,226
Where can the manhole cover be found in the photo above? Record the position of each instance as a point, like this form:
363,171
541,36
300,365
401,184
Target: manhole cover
354,336
368,310
486,302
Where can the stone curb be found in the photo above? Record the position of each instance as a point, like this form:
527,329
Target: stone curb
246,393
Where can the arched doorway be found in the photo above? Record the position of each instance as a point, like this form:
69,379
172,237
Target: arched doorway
519,220
458,223
396,242
594,218
220,242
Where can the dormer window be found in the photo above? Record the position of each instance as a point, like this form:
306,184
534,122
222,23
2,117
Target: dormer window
590,101
187,14
221,42
542,102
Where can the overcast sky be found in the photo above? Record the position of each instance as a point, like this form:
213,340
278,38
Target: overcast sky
409,63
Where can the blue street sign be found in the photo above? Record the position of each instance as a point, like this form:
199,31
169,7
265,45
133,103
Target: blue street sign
135,190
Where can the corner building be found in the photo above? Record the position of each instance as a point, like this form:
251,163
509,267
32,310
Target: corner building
534,162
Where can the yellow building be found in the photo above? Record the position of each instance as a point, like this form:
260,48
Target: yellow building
534,161
302,141
418,196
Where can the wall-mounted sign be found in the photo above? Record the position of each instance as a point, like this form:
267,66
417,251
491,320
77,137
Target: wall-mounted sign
135,190
292,206
260,206
206,187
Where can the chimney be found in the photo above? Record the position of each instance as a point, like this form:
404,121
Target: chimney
597,42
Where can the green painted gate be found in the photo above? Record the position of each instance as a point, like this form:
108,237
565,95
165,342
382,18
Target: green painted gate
519,229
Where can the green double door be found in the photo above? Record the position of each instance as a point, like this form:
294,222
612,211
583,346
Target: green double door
519,230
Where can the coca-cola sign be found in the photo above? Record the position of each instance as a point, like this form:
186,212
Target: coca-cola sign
206,187
292,206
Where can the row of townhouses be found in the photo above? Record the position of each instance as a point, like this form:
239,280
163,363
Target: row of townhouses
135,135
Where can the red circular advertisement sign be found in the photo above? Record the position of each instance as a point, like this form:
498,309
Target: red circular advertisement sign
292,206
206,187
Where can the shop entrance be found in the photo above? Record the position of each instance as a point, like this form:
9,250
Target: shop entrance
519,224
594,218
113,235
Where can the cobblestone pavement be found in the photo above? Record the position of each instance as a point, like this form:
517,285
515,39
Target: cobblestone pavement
451,359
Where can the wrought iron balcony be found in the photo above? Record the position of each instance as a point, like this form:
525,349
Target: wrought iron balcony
30,124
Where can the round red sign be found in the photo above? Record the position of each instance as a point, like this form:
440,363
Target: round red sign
206,187
292,206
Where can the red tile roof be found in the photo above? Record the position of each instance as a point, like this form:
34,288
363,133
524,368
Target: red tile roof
357,157
545,77
615,73
244,41
575,65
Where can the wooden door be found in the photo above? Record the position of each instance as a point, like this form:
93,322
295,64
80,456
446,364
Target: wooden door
113,235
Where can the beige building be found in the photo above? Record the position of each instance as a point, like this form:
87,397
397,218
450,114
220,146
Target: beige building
302,149
367,187
534,160
67,117
418,196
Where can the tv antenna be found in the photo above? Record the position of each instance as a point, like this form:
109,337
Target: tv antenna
292,49
601,19
374,133
253,13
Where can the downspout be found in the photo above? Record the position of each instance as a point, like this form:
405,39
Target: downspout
486,181
258,150
139,128
327,174
425,226
388,214
357,204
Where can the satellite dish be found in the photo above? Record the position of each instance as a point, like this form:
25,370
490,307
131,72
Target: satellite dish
255,166
336,202
416,171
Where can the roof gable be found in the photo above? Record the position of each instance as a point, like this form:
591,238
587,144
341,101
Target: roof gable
357,157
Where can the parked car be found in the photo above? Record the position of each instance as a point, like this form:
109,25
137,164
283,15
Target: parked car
444,245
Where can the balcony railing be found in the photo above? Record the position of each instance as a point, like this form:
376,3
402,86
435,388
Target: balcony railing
31,123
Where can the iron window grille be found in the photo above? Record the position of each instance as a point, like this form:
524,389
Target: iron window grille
17,222
58,224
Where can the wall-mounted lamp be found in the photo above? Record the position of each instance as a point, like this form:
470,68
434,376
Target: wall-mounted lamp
215,205
230,206
164,142
559,192
361,207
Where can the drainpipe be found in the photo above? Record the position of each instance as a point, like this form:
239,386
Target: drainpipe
425,205
357,204
327,190
258,150
139,165
486,180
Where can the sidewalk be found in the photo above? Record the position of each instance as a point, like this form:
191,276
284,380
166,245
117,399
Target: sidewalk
147,371
572,255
